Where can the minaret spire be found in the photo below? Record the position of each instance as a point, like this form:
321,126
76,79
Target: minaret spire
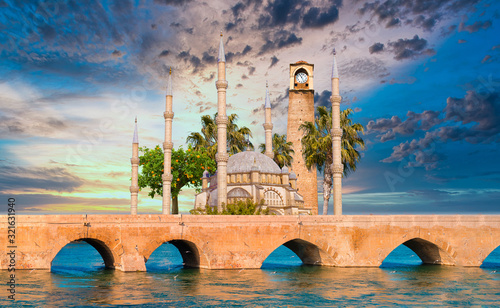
222,55
167,150
268,125
134,187
221,120
336,132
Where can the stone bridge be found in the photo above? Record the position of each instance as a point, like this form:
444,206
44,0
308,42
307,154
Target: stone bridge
125,242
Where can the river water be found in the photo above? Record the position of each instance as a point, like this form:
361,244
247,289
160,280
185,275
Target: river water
78,278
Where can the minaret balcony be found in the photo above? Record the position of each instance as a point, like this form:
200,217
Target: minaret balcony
221,157
335,99
167,177
337,168
168,145
221,84
268,126
221,120
336,132
168,114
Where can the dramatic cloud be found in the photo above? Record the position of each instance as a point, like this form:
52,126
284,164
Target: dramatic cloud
424,14
375,48
281,39
315,18
322,99
486,58
34,179
478,25
410,48
117,54
474,118
164,53
274,61
173,2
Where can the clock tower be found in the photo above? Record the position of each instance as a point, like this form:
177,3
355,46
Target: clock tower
300,110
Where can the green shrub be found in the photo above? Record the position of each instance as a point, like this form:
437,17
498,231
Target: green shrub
247,207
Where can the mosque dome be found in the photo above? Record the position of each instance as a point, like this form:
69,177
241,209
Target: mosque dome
244,161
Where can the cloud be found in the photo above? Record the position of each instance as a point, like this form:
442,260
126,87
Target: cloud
315,18
480,109
478,25
246,50
274,61
117,54
322,99
194,61
173,2
363,68
410,48
164,53
475,118
424,14
376,48
486,58
37,178
407,80
462,41
281,39
48,203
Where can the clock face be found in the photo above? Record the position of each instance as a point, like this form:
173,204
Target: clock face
301,77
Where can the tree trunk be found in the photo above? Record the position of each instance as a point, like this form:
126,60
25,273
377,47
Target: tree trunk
327,186
326,197
175,205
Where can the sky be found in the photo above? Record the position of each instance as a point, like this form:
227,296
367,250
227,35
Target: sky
422,77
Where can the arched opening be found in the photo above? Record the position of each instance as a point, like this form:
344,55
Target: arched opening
84,254
298,252
281,257
173,255
416,252
493,259
272,198
237,194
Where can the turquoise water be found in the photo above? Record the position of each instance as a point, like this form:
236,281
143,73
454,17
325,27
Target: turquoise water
78,278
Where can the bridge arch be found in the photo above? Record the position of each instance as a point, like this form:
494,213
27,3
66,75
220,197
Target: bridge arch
492,257
102,248
308,252
191,256
430,252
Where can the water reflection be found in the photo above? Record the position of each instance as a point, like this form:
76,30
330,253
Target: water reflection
281,282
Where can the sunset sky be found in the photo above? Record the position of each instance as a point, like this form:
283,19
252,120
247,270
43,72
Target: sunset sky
422,77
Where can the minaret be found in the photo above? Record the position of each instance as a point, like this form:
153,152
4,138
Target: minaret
337,166
134,187
268,126
167,149
221,121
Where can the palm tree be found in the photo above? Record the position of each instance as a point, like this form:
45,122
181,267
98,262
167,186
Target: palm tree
282,150
236,136
317,146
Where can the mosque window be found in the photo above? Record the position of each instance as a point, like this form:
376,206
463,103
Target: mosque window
272,198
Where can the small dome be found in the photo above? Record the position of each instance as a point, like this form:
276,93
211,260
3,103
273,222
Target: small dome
284,170
206,174
292,176
244,161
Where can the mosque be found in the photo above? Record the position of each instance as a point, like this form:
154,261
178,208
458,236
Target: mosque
251,175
